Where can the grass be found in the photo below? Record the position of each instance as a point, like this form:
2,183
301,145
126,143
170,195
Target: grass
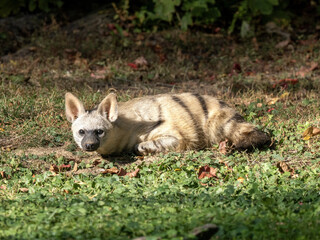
268,194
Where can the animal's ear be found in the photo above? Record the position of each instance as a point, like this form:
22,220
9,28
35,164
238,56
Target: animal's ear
74,108
109,107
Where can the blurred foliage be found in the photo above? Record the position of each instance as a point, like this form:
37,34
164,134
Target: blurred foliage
9,7
237,16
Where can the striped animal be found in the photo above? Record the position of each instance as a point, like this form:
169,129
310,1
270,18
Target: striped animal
160,123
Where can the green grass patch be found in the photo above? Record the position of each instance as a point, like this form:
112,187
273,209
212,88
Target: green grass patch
267,194
166,201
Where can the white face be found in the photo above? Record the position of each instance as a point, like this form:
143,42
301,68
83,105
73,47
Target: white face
89,129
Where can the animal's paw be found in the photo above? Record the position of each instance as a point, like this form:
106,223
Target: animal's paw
145,148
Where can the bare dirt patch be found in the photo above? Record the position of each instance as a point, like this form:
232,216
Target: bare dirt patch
93,161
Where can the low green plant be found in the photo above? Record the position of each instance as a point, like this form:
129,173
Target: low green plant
8,7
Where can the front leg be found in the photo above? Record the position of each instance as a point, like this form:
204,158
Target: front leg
161,144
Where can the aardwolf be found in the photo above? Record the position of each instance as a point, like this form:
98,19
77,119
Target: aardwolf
161,123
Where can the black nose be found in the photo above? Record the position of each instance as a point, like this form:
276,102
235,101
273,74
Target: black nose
91,146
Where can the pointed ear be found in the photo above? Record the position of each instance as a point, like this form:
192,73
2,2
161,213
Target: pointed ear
109,107
74,108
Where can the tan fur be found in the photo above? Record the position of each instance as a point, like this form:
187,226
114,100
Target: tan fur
161,123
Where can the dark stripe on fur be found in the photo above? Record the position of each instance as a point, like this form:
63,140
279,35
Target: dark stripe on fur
223,104
237,118
202,103
160,121
159,145
199,131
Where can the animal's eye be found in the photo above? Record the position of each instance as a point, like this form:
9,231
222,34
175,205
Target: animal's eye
99,131
81,132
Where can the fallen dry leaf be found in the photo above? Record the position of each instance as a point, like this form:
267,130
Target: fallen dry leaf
315,131
207,171
284,95
313,66
54,168
240,179
112,170
63,167
122,172
140,62
133,65
283,44
285,82
134,173
304,71
236,68
284,167
310,132
99,74
273,101
75,167
25,190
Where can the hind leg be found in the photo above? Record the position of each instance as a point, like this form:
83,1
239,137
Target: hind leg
161,144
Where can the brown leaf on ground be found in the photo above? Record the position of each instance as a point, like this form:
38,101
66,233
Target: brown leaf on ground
96,162
25,190
282,44
64,167
54,168
75,167
134,173
141,62
304,71
315,131
207,171
240,179
310,132
98,74
112,170
284,167
121,172
285,82
236,68
283,96
272,101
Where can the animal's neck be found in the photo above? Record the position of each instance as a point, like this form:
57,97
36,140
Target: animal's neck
119,139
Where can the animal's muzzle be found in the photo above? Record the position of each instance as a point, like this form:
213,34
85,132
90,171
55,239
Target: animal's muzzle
90,142
91,147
